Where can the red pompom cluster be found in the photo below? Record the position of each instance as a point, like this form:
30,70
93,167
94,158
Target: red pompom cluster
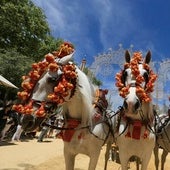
123,90
66,84
33,76
65,49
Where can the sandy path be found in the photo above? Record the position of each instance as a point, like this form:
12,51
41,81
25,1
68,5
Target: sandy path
48,155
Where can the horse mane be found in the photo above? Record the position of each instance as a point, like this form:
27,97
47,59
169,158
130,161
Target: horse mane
84,91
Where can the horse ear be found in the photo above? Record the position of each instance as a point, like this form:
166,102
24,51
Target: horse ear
106,91
127,56
148,58
65,59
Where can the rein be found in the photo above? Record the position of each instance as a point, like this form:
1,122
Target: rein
106,121
129,121
84,127
62,128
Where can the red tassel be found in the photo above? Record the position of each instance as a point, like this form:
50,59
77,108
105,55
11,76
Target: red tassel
81,136
137,126
145,135
128,135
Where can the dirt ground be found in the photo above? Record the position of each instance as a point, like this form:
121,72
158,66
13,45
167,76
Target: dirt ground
48,155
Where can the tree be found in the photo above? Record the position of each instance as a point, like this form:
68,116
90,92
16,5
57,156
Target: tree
13,65
49,45
92,77
23,26
24,38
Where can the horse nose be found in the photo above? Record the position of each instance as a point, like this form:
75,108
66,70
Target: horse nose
128,104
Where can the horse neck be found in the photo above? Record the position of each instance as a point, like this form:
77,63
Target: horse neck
80,105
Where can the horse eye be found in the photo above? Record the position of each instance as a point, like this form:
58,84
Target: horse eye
146,77
51,80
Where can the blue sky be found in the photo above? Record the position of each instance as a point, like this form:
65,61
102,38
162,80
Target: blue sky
94,26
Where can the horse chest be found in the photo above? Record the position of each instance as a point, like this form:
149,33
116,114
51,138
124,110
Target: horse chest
86,145
135,130
74,108
134,141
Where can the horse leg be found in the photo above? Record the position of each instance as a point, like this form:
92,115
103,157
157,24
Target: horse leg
124,160
43,133
163,159
108,155
145,161
156,155
93,160
69,160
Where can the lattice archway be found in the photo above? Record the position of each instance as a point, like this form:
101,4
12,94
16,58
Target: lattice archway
106,65
163,83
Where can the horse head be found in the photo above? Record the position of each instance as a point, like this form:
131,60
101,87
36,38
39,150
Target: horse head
49,83
135,83
55,80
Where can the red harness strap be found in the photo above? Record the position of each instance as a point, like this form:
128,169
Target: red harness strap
136,131
137,126
68,134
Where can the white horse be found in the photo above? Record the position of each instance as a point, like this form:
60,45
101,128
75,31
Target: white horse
135,137
162,139
85,130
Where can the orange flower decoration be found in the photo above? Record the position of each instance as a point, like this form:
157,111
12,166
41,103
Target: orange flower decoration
60,91
65,49
67,83
142,93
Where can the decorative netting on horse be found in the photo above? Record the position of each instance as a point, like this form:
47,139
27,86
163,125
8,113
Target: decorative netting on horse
143,93
50,63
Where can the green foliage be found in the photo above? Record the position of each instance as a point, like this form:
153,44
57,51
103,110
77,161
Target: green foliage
92,77
13,65
23,26
24,38
49,45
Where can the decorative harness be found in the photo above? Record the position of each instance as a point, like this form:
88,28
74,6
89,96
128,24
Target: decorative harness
135,124
100,105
